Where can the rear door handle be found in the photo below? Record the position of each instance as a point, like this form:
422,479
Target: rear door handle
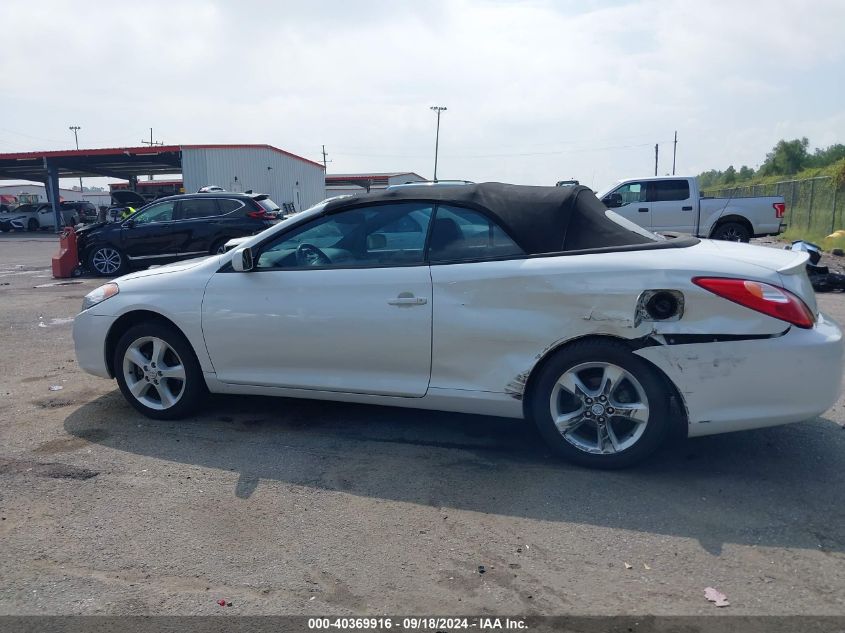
408,301
643,209
686,208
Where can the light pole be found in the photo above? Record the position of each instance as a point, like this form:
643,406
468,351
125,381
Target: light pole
438,110
75,129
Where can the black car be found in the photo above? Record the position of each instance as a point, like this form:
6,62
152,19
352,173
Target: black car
173,228
79,212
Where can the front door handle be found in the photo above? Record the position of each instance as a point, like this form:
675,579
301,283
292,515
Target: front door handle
405,300
686,208
643,209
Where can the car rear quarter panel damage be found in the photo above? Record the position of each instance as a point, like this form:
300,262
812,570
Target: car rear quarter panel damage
495,321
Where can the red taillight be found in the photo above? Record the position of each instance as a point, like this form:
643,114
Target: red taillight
780,209
771,300
258,215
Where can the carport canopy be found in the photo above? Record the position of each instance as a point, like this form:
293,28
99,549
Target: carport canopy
125,163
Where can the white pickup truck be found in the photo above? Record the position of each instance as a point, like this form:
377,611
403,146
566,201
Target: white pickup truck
674,203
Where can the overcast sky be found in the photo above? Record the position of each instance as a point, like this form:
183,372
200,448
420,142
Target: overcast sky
536,91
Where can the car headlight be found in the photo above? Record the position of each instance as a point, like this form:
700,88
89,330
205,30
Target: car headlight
99,295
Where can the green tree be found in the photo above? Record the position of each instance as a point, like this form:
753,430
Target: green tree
746,173
729,176
709,179
827,156
786,158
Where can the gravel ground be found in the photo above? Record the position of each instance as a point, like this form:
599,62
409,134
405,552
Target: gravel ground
297,507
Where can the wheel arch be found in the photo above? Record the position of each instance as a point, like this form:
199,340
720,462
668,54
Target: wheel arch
739,219
678,405
128,320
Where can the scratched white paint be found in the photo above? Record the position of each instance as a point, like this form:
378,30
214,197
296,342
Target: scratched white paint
472,345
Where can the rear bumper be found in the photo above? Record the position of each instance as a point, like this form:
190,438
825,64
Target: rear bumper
89,340
739,385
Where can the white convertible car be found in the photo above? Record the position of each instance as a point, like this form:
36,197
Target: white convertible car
494,299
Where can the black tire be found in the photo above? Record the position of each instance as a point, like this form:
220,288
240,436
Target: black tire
217,246
5,229
32,225
579,354
99,257
193,388
732,232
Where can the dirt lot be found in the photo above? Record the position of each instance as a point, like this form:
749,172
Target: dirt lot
295,507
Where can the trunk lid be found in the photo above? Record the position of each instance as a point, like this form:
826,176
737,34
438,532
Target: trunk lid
790,266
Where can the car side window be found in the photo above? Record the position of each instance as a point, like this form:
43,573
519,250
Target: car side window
669,190
227,205
460,234
195,208
380,235
162,212
632,192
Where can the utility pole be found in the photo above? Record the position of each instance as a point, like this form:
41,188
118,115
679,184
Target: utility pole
655,158
438,110
674,152
325,166
75,129
151,143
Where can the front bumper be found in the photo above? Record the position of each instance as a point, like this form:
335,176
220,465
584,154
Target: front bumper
739,385
89,340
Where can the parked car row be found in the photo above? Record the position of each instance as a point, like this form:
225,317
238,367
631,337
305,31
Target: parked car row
35,217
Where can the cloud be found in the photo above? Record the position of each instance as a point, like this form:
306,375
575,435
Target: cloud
536,91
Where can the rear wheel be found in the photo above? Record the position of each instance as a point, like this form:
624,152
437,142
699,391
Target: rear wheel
598,405
158,372
732,232
106,261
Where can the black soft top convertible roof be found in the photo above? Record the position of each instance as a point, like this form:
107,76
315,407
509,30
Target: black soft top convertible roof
539,219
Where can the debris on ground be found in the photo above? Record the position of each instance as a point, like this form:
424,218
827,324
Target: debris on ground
221,602
717,597
481,569
628,566
56,387
646,567
821,278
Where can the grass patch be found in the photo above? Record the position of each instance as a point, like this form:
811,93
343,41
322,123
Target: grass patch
817,237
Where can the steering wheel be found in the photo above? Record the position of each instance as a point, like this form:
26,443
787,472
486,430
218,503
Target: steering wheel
310,255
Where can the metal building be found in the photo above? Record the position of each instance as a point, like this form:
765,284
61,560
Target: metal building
345,184
286,177
261,168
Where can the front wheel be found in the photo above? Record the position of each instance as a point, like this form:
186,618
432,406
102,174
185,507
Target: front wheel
157,371
32,225
732,232
598,405
106,261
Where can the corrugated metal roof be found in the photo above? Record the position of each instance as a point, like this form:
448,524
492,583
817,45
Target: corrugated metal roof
141,151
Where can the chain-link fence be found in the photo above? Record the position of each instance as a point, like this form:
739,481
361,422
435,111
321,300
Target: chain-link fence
812,204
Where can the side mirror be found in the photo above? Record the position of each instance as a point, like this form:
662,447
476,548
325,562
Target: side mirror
129,224
613,200
242,259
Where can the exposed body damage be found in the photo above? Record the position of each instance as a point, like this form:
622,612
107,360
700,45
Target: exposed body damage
739,355
582,327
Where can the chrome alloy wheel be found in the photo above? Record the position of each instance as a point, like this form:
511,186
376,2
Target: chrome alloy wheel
154,373
106,261
599,407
